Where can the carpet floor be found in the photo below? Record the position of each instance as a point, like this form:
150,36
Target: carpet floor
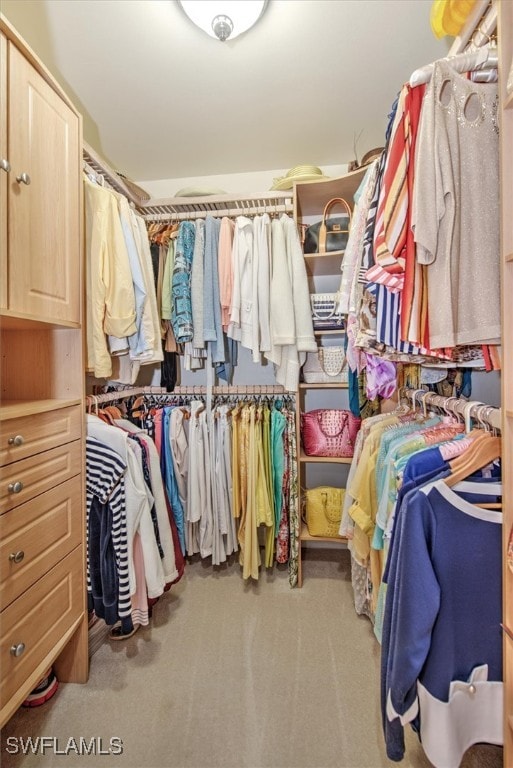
230,675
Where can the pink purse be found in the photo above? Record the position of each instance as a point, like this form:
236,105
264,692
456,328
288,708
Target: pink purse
329,432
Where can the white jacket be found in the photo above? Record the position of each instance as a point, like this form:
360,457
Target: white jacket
291,316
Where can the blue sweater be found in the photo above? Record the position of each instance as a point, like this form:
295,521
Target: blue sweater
443,606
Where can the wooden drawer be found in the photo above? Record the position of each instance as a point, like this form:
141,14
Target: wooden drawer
38,474
38,619
41,531
39,432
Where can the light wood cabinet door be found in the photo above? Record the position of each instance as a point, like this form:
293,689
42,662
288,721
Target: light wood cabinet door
43,198
36,622
4,159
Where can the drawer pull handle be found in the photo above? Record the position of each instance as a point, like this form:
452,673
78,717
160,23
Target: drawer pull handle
18,649
17,557
23,178
17,440
15,487
5,165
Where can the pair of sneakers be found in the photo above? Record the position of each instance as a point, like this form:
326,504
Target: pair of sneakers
44,690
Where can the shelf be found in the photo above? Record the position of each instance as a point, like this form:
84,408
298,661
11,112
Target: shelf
312,196
340,385
11,321
11,409
341,332
322,459
306,536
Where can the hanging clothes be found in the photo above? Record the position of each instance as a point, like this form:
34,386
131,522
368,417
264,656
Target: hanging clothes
227,475
442,644
457,168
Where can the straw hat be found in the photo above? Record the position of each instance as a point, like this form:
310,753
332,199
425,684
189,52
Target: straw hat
299,173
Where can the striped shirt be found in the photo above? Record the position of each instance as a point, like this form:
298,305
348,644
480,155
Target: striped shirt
105,472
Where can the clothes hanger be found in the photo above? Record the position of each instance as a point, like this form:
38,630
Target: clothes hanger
485,57
483,451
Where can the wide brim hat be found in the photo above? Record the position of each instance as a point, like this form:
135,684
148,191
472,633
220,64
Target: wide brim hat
298,174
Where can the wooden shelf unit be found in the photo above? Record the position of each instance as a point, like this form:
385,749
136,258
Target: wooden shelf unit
505,42
306,536
309,201
322,459
42,417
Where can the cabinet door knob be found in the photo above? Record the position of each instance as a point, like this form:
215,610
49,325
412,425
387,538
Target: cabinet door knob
5,165
15,487
16,440
17,557
23,178
18,649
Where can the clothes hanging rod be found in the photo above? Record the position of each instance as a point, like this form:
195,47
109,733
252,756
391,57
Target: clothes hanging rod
465,408
178,208
229,389
113,179
181,208
218,213
200,389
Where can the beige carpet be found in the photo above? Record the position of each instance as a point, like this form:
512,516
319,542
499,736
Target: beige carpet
233,675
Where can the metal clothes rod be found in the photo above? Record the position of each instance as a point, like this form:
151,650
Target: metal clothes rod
201,389
122,394
480,412
99,166
218,213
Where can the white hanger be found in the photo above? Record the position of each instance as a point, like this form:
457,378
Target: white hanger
482,58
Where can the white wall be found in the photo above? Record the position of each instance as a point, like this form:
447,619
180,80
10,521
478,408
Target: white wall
234,183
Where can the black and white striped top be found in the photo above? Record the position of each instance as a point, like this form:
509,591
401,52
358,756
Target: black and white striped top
105,471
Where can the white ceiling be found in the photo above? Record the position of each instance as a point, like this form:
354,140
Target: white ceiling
161,99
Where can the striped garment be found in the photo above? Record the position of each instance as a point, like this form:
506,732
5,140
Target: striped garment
105,472
392,213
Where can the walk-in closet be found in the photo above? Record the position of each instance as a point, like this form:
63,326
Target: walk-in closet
256,392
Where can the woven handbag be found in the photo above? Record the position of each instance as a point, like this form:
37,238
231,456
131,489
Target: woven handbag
323,510
326,366
329,432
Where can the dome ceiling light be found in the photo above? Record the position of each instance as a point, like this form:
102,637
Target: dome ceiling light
223,19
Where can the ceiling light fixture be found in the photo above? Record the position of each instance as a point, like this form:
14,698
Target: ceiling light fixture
224,19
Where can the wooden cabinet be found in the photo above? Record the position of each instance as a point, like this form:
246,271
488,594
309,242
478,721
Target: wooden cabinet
42,493
323,271
505,19
40,195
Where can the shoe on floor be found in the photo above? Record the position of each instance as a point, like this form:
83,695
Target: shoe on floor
44,690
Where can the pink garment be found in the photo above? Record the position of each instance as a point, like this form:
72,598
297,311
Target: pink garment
381,377
225,267
140,597
456,448
442,432
157,420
